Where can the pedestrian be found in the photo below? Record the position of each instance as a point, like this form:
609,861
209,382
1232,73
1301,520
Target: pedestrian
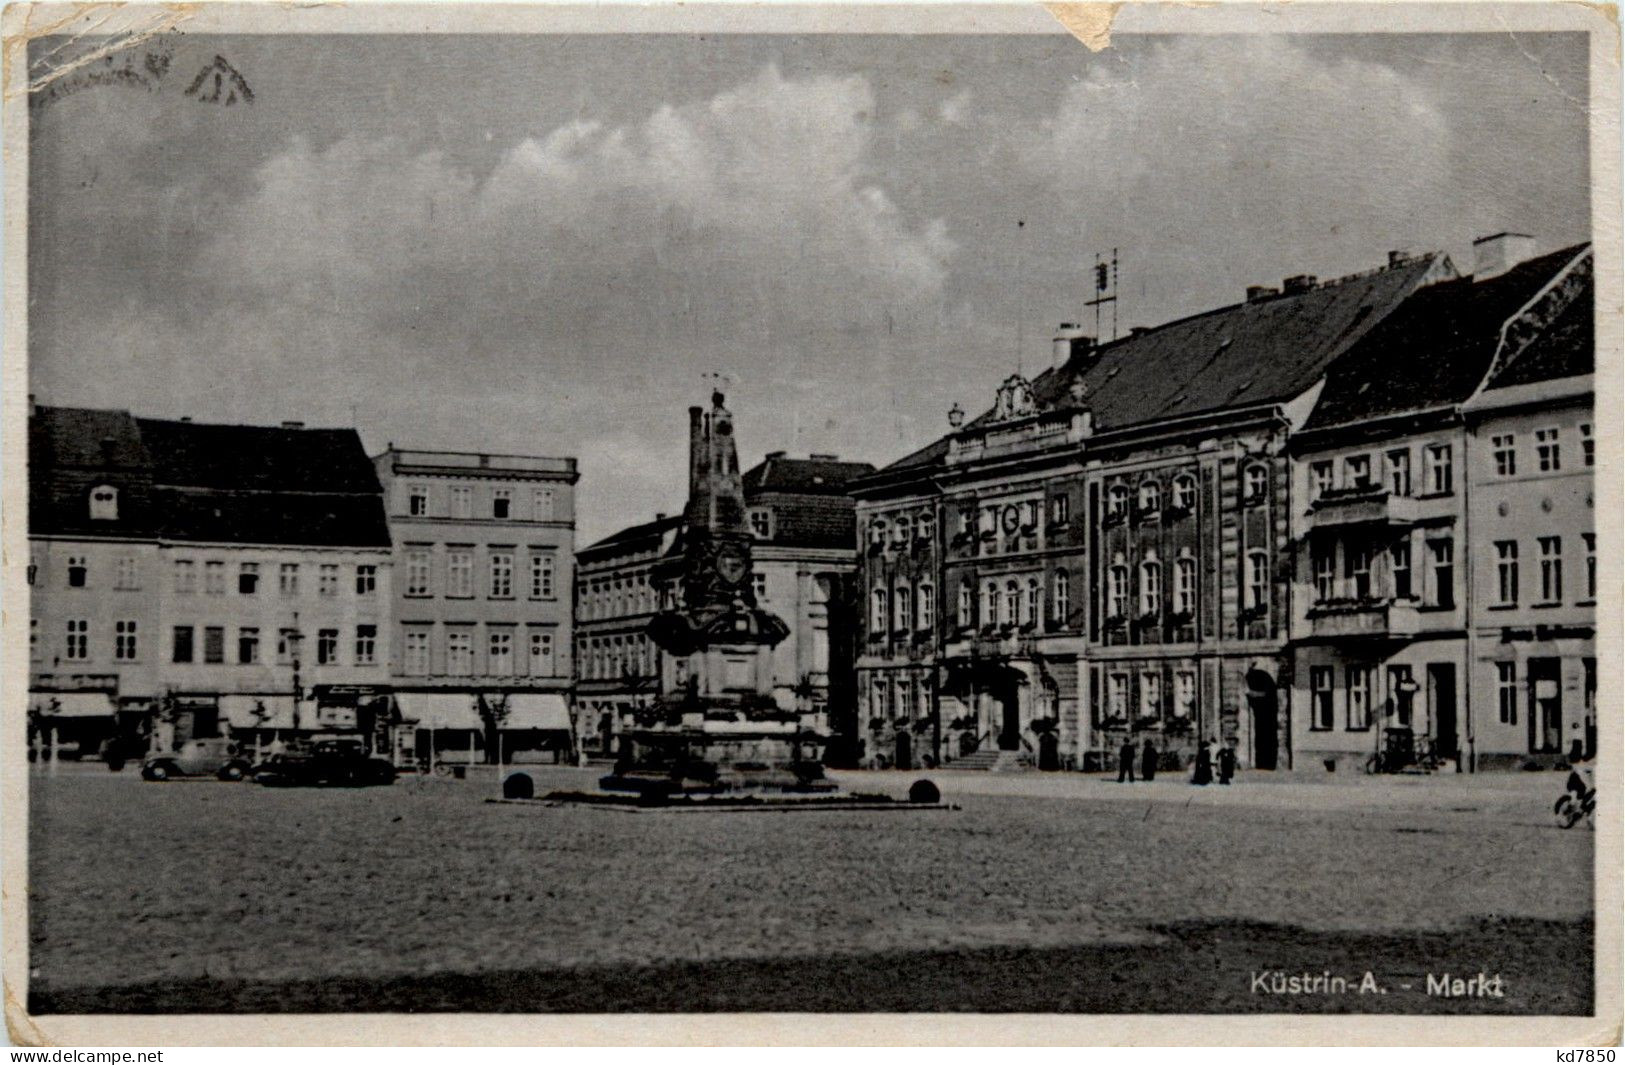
1125,763
1204,766
1227,763
1148,762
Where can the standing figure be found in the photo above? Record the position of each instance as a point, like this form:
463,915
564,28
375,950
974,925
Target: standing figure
1204,766
1227,763
1125,763
1148,762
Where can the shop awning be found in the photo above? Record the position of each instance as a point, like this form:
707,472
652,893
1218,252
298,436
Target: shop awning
439,709
72,704
537,710
240,710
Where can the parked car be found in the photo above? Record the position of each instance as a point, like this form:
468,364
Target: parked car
198,758
326,763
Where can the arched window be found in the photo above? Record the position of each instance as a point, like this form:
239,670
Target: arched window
1011,604
1030,612
927,607
1185,586
1150,497
877,610
1060,597
902,609
877,532
901,530
925,528
1184,492
1258,583
1117,591
967,605
1117,501
1150,587
104,503
1254,483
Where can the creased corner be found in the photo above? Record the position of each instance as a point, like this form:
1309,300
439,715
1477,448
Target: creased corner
1090,23
20,1026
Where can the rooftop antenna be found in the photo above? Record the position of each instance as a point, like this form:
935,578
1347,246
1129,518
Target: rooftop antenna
1105,290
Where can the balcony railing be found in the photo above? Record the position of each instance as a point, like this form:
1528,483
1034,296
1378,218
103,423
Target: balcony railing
1366,505
1341,618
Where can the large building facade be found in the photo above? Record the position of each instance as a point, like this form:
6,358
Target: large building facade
482,623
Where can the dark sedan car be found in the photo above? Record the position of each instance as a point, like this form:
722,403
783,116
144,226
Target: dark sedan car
327,763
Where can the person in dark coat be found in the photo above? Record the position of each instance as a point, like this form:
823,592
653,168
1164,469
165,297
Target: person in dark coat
1148,762
1204,766
1125,762
1227,763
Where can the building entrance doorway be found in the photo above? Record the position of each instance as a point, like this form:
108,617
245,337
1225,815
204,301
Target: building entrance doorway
1442,698
1009,699
1264,705
905,751
1545,706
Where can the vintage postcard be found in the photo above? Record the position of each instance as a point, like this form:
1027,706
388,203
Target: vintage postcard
665,523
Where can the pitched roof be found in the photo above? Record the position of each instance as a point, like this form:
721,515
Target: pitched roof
809,476
1565,348
72,450
1264,351
641,537
1434,349
258,457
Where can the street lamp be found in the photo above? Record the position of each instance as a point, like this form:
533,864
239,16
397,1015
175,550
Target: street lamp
295,637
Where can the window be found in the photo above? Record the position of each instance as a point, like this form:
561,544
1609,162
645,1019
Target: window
1117,501
1360,681
460,653
78,572
417,572
900,530
1061,597
104,503
1399,472
501,574
1444,572
1547,455
287,578
1117,694
366,644
761,523
1117,591
1030,609
1010,605
185,576
460,573
1320,477
417,500
1029,513
416,655
1150,497
33,640
1591,564
541,654
877,532
902,607
1506,692
990,603
1551,569
925,528
1184,497
927,607
1185,586
1588,446
1506,454
1320,697
327,580
967,606
126,575
1399,561
248,578
880,697
905,696
499,661
327,647
366,580
287,646
1060,510
1151,695
248,646
541,504
1441,478
1324,564
1150,587
1506,572
214,644
214,578
78,648
1357,569
877,611
1255,480
1258,580
541,574
1357,471
758,586
462,501
124,641
1184,693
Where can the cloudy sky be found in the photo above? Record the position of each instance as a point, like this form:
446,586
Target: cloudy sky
545,244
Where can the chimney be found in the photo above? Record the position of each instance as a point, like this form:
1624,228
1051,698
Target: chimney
776,455
660,515
823,456
1298,283
293,425
1070,340
1260,293
1497,253
186,419
1399,257
1139,331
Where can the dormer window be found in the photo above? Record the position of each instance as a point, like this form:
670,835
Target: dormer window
761,523
104,503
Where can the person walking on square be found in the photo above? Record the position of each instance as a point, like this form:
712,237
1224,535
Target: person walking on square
1227,763
1125,763
1204,766
1148,762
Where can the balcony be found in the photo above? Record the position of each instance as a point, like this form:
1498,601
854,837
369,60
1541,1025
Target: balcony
1365,618
1368,505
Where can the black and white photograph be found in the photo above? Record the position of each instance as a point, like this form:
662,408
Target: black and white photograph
996,514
